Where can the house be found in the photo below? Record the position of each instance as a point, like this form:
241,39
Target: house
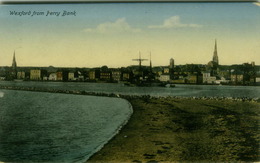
116,75
53,76
59,76
126,76
208,79
164,77
237,78
194,79
105,76
94,74
71,76
21,75
35,75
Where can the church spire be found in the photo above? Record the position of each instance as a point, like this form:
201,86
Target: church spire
14,68
215,54
14,65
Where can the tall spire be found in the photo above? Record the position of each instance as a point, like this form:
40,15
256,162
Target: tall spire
14,65
14,68
215,54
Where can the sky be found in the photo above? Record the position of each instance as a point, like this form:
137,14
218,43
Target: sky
113,34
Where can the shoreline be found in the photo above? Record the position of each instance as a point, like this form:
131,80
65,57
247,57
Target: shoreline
117,131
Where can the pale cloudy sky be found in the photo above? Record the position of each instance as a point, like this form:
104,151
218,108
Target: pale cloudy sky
113,34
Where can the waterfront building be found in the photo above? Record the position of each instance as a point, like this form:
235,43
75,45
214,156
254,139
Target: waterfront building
237,78
116,75
35,75
164,77
53,76
224,73
105,76
94,74
208,79
59,76
126,76
71,76
21,75
194,79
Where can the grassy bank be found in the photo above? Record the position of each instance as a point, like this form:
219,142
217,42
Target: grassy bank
170,129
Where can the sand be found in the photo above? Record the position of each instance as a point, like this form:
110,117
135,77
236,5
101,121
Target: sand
172,130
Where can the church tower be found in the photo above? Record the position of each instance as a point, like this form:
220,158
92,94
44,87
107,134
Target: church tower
215,54
171,68
14,67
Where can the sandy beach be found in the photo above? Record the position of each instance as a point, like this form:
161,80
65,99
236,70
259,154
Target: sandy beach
171,129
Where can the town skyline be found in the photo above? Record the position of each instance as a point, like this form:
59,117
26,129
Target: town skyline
113,34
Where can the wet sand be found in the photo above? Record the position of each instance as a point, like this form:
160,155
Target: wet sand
170,130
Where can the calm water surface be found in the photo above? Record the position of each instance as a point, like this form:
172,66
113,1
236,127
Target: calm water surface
50,127
179,90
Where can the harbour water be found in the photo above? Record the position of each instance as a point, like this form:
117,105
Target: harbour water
50,127
179,90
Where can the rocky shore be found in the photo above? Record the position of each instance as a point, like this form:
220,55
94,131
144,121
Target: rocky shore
171,129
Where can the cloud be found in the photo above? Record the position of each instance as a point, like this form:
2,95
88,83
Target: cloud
119,26
174,22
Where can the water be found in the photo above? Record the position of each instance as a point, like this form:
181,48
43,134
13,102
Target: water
50,127
179,90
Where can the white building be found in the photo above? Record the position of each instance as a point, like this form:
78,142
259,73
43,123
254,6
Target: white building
53,76
208,79
164,77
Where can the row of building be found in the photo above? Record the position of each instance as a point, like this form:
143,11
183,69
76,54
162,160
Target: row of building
189,74
212,73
